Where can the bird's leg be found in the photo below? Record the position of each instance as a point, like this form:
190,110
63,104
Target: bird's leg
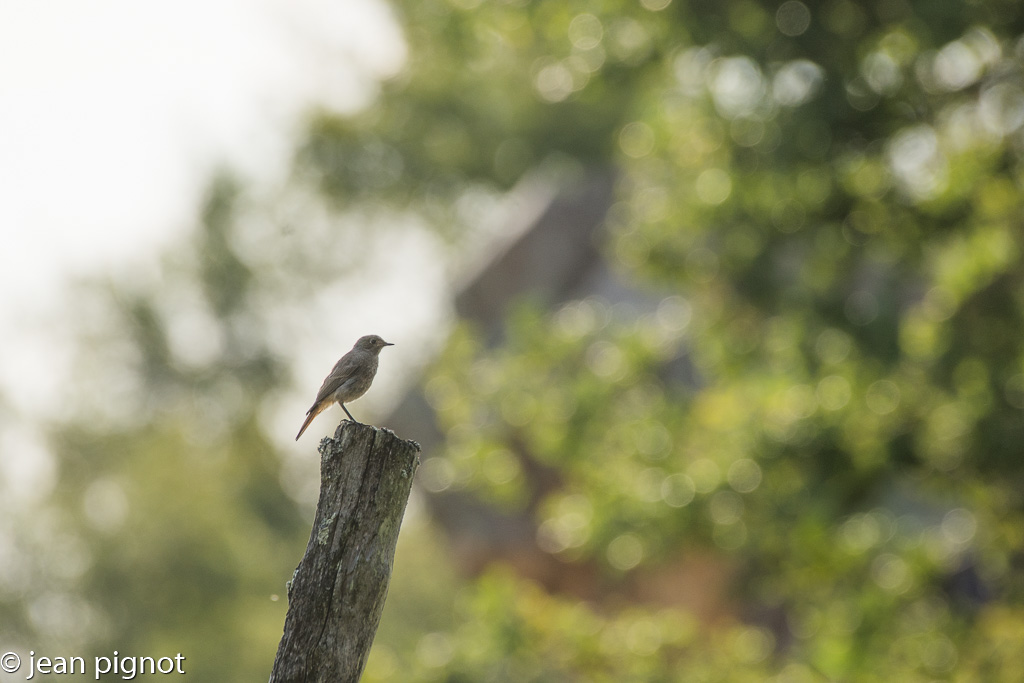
348,413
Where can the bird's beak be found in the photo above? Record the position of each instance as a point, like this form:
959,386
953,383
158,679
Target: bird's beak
388,344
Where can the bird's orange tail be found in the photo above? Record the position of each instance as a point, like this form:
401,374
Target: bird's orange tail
310,414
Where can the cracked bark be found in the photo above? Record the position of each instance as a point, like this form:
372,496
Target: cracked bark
336,595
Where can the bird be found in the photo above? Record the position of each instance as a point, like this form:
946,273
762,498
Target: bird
351,376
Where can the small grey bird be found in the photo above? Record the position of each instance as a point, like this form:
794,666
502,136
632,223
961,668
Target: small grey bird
350,378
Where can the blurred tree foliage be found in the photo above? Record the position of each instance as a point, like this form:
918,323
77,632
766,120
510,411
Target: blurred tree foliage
826,197
167,529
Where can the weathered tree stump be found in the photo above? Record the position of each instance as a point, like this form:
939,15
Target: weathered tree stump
336,595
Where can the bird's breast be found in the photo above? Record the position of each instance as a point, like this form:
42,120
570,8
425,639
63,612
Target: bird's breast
356,384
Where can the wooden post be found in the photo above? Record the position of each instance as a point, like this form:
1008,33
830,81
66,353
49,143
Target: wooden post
336,595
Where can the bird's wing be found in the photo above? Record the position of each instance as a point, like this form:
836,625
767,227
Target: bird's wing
339,375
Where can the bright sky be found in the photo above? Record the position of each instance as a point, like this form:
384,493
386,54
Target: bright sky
112,112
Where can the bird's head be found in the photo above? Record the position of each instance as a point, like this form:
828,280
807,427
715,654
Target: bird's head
371,343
